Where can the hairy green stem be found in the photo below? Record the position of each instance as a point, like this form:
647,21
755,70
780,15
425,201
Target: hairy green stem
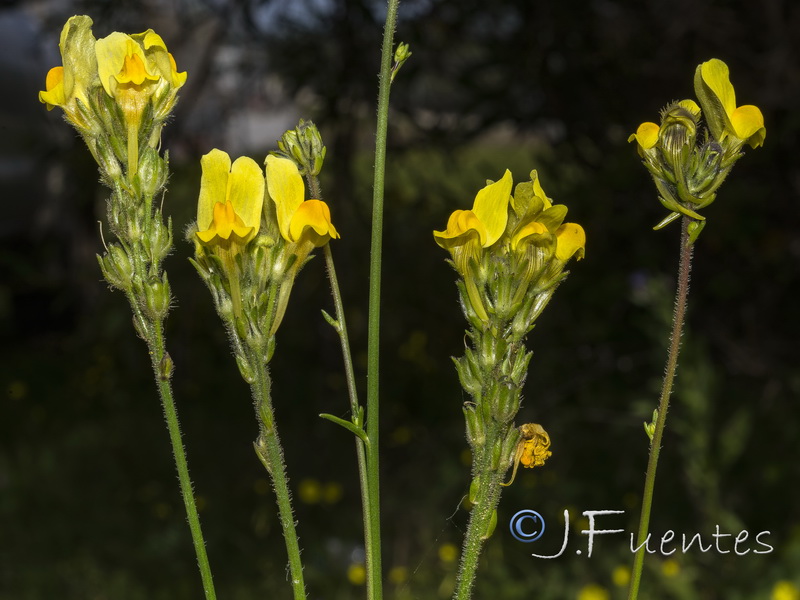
684,270
268,450
486,501
159,358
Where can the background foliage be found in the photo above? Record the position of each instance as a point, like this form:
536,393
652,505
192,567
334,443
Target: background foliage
88,502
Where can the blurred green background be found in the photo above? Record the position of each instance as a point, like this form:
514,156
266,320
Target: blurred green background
89,503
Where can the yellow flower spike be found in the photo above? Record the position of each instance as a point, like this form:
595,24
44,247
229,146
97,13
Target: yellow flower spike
231,197
487,219
646,135
66,85
570,241
299,220
715,91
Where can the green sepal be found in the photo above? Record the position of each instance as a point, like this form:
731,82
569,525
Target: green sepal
245,369
165,367
491,526
474,487
674,206
695,229
666,220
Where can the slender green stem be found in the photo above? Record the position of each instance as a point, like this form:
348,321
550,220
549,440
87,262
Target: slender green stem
486,501
355,408
268,449
684,270
375,585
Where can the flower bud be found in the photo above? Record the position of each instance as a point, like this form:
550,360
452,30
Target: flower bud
303,144
152,172
158,241
157,298
678,134
116,267
108,162
506,402
476,434
509,450
469,381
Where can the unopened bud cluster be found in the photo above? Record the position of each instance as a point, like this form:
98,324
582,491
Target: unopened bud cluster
687,164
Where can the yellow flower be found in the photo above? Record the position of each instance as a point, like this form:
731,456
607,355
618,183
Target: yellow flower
785,590
65,86
713,87
570,241
356,574
398,575
133,69
231,197
621,575
593,592
670,567
646,136
448,553
299,220
485,223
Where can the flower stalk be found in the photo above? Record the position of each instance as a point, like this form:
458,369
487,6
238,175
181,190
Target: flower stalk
253,234
97,84
688,171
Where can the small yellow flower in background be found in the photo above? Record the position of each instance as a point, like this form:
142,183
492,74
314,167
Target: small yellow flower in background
621,576
448,553
70,83
398,575
486,222
231,198
299,220
670,567
593,592
715,91
332,492
356,574
309,491
785,590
